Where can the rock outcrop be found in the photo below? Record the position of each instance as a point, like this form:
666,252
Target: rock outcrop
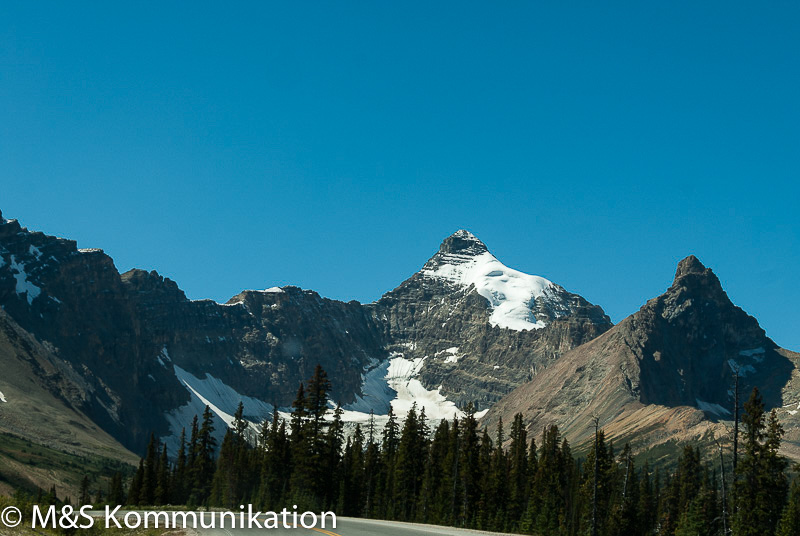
664,373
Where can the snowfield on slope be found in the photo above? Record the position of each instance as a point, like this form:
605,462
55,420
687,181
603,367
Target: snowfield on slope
223,401
394,382
510,292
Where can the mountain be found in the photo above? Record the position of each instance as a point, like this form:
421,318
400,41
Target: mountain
40,400
476,328
663,374
143,357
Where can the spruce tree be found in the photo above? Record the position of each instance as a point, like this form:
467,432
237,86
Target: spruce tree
789,524
518,470
135,490
147,493
760,489
162,491
83,496
203,458
179,477
116,496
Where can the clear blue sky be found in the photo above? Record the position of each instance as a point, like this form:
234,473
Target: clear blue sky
333,145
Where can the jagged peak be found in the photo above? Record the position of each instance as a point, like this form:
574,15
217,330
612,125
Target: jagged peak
462,242
689,265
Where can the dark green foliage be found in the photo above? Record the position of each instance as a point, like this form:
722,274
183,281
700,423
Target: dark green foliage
761,484
789,524
458,475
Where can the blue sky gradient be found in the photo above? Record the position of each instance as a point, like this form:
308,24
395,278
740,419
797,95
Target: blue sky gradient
334,145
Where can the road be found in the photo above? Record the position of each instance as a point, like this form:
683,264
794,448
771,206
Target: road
354,527
345,526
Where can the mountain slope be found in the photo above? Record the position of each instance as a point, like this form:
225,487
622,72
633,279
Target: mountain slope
145,358
40,397
663,374
478,328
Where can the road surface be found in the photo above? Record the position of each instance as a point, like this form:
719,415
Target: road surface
352,527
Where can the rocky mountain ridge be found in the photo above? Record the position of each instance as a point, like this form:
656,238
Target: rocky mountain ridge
665,373
148,357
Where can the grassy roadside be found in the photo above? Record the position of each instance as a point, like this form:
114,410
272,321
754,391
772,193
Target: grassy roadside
28,466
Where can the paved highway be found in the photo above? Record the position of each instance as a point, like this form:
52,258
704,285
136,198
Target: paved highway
352,527
345,526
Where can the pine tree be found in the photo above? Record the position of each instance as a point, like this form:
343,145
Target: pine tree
776,485
135,490
470,468
789,524
277,465
518,471
202,457
328,471
760,490
162,491
352,496
597,487
391,433
116,496
317,399
498,484
147,493
409,469
647,503
371,469
179,476
83,497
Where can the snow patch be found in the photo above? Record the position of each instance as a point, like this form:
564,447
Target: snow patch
510,293
394,382
757,354
24,286
453,356
90,250
376,395
744,370
220,398
272,290
480,414
710,407
2,397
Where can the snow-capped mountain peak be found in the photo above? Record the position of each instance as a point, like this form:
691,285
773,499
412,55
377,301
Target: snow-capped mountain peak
464,261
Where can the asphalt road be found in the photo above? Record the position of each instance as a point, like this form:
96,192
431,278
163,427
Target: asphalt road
344,527
353,527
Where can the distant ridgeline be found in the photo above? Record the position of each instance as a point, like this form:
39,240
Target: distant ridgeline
110,362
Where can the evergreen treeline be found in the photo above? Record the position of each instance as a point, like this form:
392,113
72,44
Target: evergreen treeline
456,474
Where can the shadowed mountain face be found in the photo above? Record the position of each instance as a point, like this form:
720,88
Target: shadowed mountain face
669,366
145,358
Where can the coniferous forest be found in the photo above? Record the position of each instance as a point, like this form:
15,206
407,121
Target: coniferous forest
456,474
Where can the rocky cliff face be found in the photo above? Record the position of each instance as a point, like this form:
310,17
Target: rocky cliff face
466,328
480,327
662,374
